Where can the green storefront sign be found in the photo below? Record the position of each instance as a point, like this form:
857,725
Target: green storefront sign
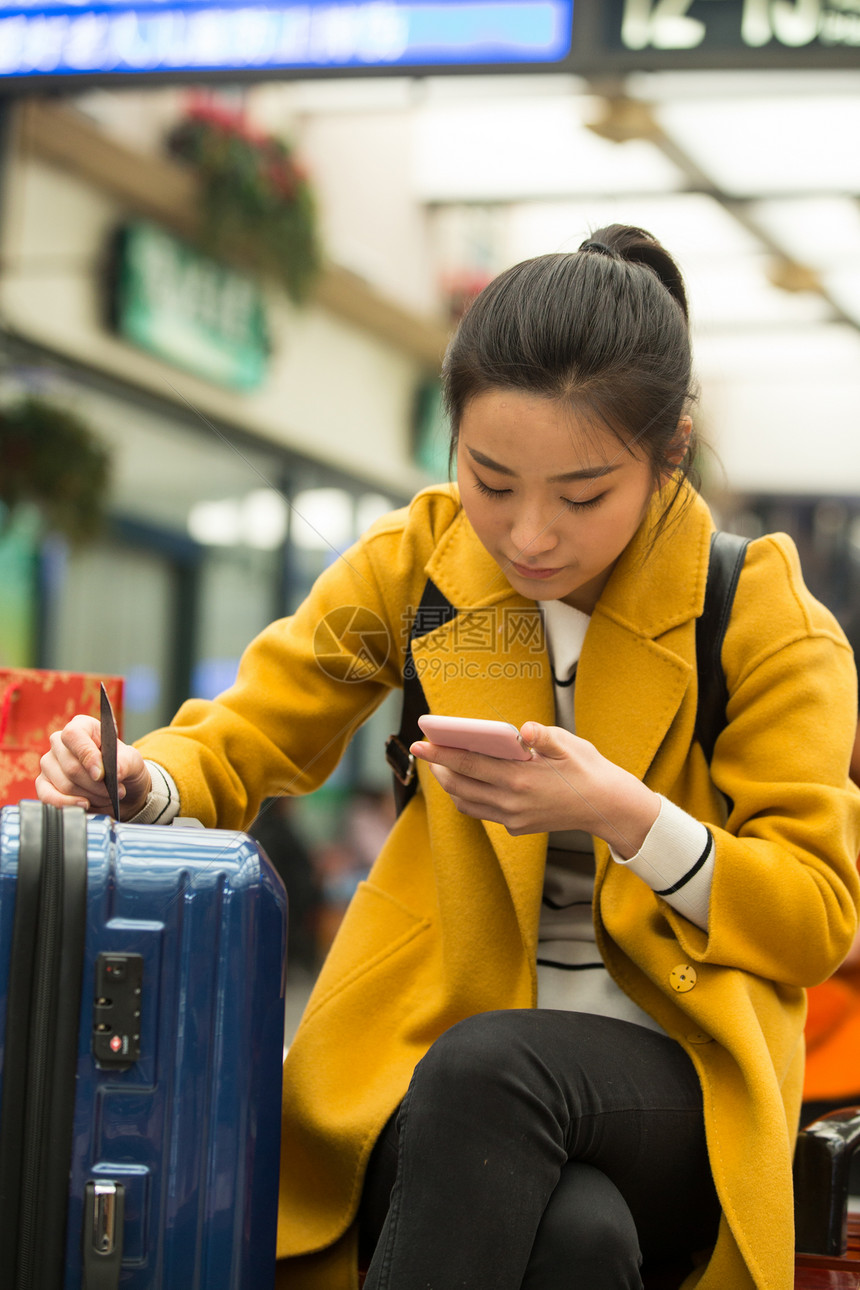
187,309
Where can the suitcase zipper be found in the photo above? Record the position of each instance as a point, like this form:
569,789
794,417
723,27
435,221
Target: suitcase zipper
43,1003
42,1029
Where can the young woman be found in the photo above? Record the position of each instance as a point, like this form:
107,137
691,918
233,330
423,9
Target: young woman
557,1041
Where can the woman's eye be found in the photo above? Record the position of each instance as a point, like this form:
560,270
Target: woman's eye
487,491
574,505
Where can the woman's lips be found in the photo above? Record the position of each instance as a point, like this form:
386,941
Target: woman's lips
526,571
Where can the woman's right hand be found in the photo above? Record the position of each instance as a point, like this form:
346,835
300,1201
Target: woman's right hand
73,771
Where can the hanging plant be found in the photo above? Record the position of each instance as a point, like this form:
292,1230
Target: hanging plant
51,459
255,197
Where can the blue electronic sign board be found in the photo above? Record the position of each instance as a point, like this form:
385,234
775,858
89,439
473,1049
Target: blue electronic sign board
75,43
184,38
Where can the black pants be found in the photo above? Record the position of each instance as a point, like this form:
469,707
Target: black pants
540,1150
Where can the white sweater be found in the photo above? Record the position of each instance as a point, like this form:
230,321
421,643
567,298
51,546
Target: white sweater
676,860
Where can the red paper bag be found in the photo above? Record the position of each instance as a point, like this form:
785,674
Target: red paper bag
33,704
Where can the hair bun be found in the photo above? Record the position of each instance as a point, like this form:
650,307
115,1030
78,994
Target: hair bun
636,246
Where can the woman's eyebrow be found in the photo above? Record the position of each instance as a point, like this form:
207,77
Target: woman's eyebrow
588,472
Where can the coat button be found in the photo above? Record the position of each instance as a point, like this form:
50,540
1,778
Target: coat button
699,1037
682,978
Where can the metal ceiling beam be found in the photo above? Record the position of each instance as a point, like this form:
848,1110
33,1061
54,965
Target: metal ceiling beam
626,118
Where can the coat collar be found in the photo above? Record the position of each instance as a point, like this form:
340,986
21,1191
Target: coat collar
655,586
659,582
633,675
463,569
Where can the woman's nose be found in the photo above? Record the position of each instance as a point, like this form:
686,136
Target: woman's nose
534,533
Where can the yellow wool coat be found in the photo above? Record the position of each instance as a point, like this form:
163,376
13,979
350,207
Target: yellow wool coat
446,925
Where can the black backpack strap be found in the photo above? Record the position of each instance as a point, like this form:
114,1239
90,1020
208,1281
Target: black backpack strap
728,552
434,610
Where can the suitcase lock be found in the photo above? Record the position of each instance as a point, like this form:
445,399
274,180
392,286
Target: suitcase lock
117,1010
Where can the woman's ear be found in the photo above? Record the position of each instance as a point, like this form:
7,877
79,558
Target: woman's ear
678,447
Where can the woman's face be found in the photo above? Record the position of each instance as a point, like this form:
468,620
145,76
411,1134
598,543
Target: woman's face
554,500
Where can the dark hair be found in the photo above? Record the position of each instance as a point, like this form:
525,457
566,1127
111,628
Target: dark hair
604,328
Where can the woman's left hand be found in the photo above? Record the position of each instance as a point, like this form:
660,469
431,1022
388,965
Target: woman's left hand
567,784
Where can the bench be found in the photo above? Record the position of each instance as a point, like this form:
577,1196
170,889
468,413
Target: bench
827,1236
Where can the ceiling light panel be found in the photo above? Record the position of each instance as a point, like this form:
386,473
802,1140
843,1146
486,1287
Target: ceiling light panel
737,293
722,262
823,232
742,83
500,150
785,434
752,146
745,354
690,225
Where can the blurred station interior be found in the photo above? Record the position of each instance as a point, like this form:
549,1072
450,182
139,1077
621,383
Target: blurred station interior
728,128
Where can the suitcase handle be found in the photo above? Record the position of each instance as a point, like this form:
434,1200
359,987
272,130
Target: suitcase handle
104,1207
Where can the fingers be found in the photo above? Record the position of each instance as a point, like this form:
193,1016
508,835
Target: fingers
484,787
135,781
545,793
546,741
475,765
46,792
77,749
72,772
470,796
476,778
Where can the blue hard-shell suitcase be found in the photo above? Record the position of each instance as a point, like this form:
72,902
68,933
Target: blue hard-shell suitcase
141,1047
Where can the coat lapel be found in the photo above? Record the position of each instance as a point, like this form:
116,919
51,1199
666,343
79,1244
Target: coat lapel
490,662
628,692
639,654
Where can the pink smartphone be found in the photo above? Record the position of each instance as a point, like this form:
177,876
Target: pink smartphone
494,738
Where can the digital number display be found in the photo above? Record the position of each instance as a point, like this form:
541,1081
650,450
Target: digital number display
742,25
